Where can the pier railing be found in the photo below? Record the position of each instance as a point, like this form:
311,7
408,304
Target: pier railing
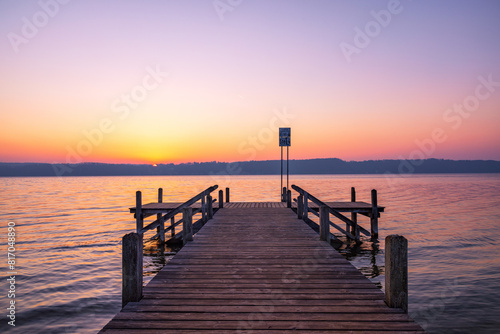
206,210
352,228
132,243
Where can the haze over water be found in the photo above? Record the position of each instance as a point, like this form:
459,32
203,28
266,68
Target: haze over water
69,252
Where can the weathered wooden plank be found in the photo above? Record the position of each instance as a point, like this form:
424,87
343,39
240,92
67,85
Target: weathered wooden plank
276,284
264,294
257,324
265,315
250,331
306,304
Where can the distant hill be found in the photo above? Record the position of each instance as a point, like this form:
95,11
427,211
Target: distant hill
311,166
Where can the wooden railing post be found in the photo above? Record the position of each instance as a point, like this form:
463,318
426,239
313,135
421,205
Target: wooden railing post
221,199
210,209
289,199
172,222
305,208
300,206
396,272
187,224
227,195
354,216
161,228
374,216
138,212
131,268
324,223
203,209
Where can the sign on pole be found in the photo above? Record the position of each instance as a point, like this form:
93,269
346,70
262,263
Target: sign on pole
284,141
285,137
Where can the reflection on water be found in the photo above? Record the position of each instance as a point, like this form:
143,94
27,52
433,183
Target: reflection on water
156,255
366,249
366,256
70,230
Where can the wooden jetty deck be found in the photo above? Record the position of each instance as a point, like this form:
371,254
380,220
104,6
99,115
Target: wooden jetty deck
256,268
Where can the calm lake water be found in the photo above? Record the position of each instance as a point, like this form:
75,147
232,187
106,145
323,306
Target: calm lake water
68,233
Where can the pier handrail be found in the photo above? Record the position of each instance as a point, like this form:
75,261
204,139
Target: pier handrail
201,196
302,205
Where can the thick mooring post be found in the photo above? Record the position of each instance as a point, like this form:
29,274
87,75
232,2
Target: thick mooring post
221,199
210,209
300,206
396,272
324,223
227,195
283,194
374,216
161,228
289,199
138,212
187,225
131,268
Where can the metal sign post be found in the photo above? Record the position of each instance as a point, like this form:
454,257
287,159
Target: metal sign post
285,134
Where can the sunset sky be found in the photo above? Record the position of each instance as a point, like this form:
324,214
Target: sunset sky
203,80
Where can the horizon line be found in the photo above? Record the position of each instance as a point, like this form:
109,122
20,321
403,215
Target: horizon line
239,161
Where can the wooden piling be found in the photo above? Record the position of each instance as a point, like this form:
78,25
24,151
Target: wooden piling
187,225
131,268
374,216
354,217
300,206
283,194
221,199
203,209
396,272
138,212
227,195
289,199
161,227
324,223
210,210
305,208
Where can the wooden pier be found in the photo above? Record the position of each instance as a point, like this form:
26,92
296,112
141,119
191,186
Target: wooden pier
254,268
